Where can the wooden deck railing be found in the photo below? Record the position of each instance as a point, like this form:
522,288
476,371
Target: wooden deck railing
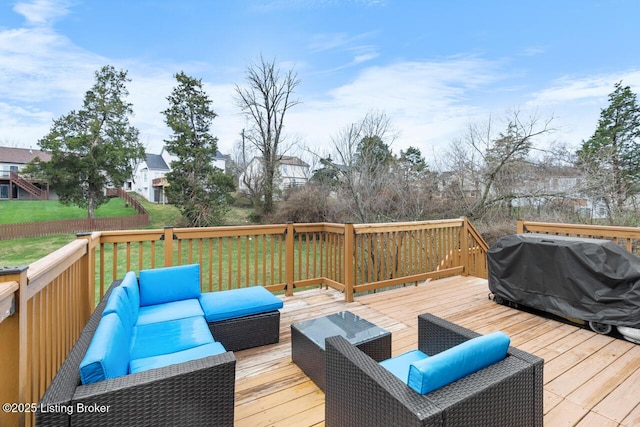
57,293
628,237
54,302
282,257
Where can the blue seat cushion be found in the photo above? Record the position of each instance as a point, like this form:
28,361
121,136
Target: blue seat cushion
169,284
457,362
153,362
223,305
399,365
108,353
169,337
130,284
169,311
120,304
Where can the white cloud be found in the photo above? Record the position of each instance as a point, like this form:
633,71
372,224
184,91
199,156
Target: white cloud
39,65
576,101
584,89
42,12
427,101
22,127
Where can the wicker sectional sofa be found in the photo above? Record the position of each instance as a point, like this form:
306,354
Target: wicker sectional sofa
151,359
361,392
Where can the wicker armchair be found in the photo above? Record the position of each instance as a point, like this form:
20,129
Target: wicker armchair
196,393
359,392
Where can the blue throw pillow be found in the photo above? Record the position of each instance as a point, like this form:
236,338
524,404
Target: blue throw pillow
457,362
108,353
169,284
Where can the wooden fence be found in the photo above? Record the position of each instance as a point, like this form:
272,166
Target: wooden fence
57,293
47,228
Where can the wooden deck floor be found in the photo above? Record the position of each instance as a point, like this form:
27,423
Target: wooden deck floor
589,379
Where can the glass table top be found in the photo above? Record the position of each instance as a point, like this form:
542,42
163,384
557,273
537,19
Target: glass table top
354,328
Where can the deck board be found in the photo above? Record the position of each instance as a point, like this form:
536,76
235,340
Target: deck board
589,379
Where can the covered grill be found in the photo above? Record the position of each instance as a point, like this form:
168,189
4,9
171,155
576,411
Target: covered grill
592,280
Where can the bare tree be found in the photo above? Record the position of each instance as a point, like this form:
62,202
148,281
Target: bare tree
264,102
250,180
362,154
490,169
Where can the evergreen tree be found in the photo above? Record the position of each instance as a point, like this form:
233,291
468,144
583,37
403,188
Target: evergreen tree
93,147
611,156
196,187
412,164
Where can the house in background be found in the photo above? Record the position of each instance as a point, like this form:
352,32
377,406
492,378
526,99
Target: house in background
292,172
148,178
13,185
149,175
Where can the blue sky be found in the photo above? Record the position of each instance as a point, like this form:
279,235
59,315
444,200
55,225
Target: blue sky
433,66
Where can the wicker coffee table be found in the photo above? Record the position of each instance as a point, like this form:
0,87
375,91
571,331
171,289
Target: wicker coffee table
307,341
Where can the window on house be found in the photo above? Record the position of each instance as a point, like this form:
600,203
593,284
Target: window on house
4,191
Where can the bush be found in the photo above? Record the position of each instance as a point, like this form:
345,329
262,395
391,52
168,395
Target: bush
302,204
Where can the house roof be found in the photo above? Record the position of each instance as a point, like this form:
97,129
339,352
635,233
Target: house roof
21,155
155,161
290,160
219,155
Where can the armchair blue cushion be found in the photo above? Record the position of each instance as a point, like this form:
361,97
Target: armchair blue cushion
169,284
108,354
399,365
457,362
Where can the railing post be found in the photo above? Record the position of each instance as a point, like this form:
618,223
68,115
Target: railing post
464,247
349,237
520,226
289,259
168,246
89,270
13,357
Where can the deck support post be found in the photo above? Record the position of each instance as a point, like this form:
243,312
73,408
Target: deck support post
289,258
168,246
349,237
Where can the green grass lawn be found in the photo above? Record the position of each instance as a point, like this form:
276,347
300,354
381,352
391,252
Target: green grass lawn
16,211
25,251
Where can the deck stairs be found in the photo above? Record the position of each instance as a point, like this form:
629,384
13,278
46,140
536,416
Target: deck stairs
28,186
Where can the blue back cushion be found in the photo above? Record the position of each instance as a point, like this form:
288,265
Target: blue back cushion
169,284
130,284
457,362
108,353
120,304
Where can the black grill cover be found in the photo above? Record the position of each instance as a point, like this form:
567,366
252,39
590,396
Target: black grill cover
588,279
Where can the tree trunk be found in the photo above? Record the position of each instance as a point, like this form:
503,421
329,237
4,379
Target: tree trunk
91,207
